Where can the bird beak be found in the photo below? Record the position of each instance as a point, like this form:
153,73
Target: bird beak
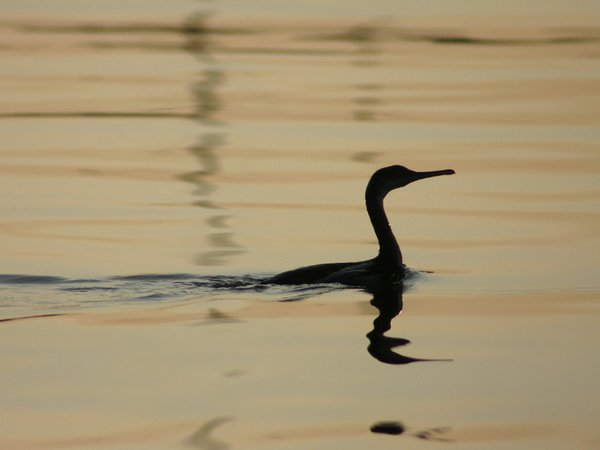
433,173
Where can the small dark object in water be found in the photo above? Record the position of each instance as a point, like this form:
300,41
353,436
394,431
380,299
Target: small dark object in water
394,428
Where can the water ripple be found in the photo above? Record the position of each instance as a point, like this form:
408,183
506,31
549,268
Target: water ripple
23,294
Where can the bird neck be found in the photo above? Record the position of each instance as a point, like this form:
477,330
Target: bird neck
389,251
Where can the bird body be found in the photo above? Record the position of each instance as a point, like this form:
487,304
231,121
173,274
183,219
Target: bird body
357,273
388,265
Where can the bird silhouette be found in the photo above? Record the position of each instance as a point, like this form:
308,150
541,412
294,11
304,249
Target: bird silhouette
388,265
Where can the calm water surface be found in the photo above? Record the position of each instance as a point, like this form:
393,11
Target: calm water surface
155,163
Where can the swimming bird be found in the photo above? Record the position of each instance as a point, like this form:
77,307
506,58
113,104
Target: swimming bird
388,265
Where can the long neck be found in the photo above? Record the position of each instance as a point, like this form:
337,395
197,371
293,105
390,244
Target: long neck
389,251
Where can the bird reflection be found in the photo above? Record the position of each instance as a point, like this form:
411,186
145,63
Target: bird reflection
388,301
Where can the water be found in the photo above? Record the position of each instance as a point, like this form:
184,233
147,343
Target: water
156,163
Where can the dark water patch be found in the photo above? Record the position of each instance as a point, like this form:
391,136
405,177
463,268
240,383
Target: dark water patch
96,115
229,282
142,46
466,40
203,436
285,293
89,288
128,28
394,428
154,277
357,34
365,156
174,46
30,279
371,34
434,434
152,297
363,34
281,51
40,316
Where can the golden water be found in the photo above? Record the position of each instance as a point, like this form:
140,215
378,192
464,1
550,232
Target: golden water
212,138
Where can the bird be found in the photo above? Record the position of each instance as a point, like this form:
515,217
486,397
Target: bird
388,265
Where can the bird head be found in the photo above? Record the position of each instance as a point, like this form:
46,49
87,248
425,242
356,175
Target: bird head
393,177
